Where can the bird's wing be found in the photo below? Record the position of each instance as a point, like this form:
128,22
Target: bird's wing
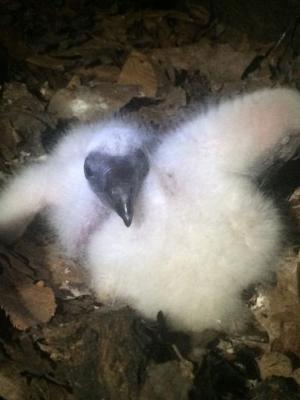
22,199
240,132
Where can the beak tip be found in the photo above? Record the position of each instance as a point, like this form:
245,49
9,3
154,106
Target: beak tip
124,208
127,221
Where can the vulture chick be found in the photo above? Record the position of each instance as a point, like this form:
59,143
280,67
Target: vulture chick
183,228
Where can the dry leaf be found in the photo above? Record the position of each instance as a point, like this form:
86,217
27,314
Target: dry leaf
138,70
87,104
278,310
168,381
219,63
45,61
26,304
12,384
100,73
275,364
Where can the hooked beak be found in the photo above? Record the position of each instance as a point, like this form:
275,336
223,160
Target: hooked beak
122,203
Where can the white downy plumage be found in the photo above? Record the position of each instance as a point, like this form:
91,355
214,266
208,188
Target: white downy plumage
202,230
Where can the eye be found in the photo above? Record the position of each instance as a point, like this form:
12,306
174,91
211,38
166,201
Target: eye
88,172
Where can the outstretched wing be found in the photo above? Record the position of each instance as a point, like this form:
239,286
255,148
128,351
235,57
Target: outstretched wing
22,199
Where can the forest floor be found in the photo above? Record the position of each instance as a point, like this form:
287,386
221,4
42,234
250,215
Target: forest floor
155,66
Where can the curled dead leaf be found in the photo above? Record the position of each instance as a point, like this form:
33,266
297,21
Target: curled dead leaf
138,70
24,302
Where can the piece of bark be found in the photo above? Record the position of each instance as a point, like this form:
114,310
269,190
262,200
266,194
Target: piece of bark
102,354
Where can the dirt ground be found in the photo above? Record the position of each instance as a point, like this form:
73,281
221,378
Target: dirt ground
155,66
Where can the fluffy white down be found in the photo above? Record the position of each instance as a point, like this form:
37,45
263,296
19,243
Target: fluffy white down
201,230
185,254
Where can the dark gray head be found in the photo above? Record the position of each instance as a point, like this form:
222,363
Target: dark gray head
116,180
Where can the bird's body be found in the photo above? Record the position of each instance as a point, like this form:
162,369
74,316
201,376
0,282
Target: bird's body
202,229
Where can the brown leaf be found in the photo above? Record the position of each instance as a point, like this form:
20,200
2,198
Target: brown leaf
275,364
26,304
45,61
219,63
278,310
87,104
138,70
168,381
99,73
12,384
